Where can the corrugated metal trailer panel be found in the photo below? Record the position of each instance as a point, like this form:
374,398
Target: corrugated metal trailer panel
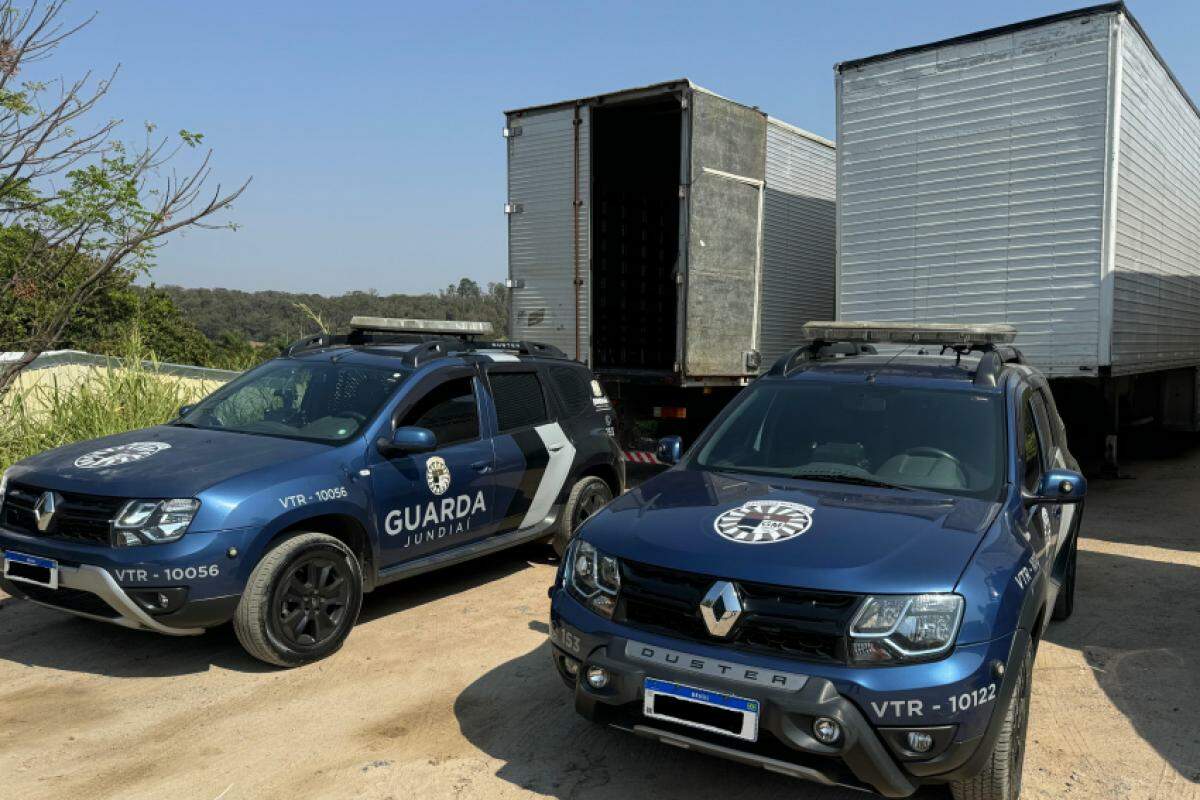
971,186
798,236
1156,268
754,254
542,230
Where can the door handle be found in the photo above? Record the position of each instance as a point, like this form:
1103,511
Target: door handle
554,448
481,466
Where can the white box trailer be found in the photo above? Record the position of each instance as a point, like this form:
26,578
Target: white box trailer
672,239
1044,174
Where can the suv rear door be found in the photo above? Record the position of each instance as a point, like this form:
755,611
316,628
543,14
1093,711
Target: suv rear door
534,455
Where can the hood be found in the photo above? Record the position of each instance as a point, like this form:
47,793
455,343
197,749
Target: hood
165,461
794,533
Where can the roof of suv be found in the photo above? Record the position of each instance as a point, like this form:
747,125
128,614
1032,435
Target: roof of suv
948,371
388,355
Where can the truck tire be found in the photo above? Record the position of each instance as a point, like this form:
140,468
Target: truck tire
588,495
1000,778
301,601
1064,604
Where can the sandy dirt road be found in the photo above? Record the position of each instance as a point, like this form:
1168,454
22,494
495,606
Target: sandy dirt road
445,691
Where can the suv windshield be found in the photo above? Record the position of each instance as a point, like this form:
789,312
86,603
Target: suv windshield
326,402
944,441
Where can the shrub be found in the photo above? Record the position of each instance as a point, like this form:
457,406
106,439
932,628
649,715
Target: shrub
97,402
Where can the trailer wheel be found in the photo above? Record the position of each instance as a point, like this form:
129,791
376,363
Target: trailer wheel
300,602
588,496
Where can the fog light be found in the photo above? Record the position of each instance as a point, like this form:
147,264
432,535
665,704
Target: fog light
826,730
919,742
571,666
597,677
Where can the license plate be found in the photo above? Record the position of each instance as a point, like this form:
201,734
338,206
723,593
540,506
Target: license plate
701,708
31,569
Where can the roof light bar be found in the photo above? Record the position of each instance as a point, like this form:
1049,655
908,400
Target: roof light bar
910,332
435,326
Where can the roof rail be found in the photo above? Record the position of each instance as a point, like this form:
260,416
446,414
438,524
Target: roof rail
992,362
817,349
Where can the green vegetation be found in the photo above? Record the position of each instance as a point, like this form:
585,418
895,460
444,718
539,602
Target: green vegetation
64,406
273,317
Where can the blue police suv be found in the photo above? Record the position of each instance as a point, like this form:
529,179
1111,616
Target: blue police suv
278,500
847,576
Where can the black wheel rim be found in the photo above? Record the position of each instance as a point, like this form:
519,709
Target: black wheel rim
312,602
592,501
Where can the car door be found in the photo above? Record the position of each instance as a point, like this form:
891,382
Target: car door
534,455
427,502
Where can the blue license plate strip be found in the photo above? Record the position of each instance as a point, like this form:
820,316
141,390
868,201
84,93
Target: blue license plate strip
37,562
746,708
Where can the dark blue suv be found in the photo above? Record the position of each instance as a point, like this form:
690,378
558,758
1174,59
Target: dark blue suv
353,461
847,576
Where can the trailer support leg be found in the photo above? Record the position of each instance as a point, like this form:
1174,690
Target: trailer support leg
1112,424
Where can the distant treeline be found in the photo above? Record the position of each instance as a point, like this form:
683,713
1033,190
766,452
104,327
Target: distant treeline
270,317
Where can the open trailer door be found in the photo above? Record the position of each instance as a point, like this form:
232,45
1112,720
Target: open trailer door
548,229
724,256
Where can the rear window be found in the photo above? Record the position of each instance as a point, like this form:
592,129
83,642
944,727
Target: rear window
574,389
519,400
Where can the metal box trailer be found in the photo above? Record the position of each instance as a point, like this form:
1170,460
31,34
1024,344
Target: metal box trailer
1044,174
666,233
670,238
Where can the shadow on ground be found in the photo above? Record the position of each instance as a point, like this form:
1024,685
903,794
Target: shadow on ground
36,636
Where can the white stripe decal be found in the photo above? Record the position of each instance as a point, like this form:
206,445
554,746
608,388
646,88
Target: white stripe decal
562,455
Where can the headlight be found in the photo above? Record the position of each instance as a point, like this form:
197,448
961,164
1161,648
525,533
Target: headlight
899,628
593,577
153,521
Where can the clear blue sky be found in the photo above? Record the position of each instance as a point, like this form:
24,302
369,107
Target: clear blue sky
372,129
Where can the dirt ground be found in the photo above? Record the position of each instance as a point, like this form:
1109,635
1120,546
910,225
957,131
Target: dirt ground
445,690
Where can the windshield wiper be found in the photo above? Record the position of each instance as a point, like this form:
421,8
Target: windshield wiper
858,480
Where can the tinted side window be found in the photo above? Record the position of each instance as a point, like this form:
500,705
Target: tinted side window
1031,451
449,410
519,399
1045,436
573,389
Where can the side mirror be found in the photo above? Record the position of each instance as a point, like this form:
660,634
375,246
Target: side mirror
406,440
1059,486
185,410
670,449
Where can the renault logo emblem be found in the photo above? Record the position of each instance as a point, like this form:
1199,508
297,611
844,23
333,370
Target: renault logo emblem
44,508
721,608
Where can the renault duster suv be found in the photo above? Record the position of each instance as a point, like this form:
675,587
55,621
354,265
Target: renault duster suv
353,461
847,576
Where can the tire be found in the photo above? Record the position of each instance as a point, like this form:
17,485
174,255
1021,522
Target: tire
588,496
1000,778
1064,604
289,622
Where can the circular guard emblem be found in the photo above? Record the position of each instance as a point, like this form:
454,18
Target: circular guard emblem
764,522
121,454
437,475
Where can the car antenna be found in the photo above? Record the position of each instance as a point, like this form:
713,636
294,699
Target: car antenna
872,375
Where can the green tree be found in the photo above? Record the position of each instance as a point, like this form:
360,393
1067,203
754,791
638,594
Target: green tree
80,210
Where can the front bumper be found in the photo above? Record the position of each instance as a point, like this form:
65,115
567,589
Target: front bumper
101,583
870,755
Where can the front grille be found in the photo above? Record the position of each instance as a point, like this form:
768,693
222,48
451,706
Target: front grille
776,620
78,518
69,600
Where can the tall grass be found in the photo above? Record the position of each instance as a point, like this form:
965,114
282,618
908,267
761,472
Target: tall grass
50,412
